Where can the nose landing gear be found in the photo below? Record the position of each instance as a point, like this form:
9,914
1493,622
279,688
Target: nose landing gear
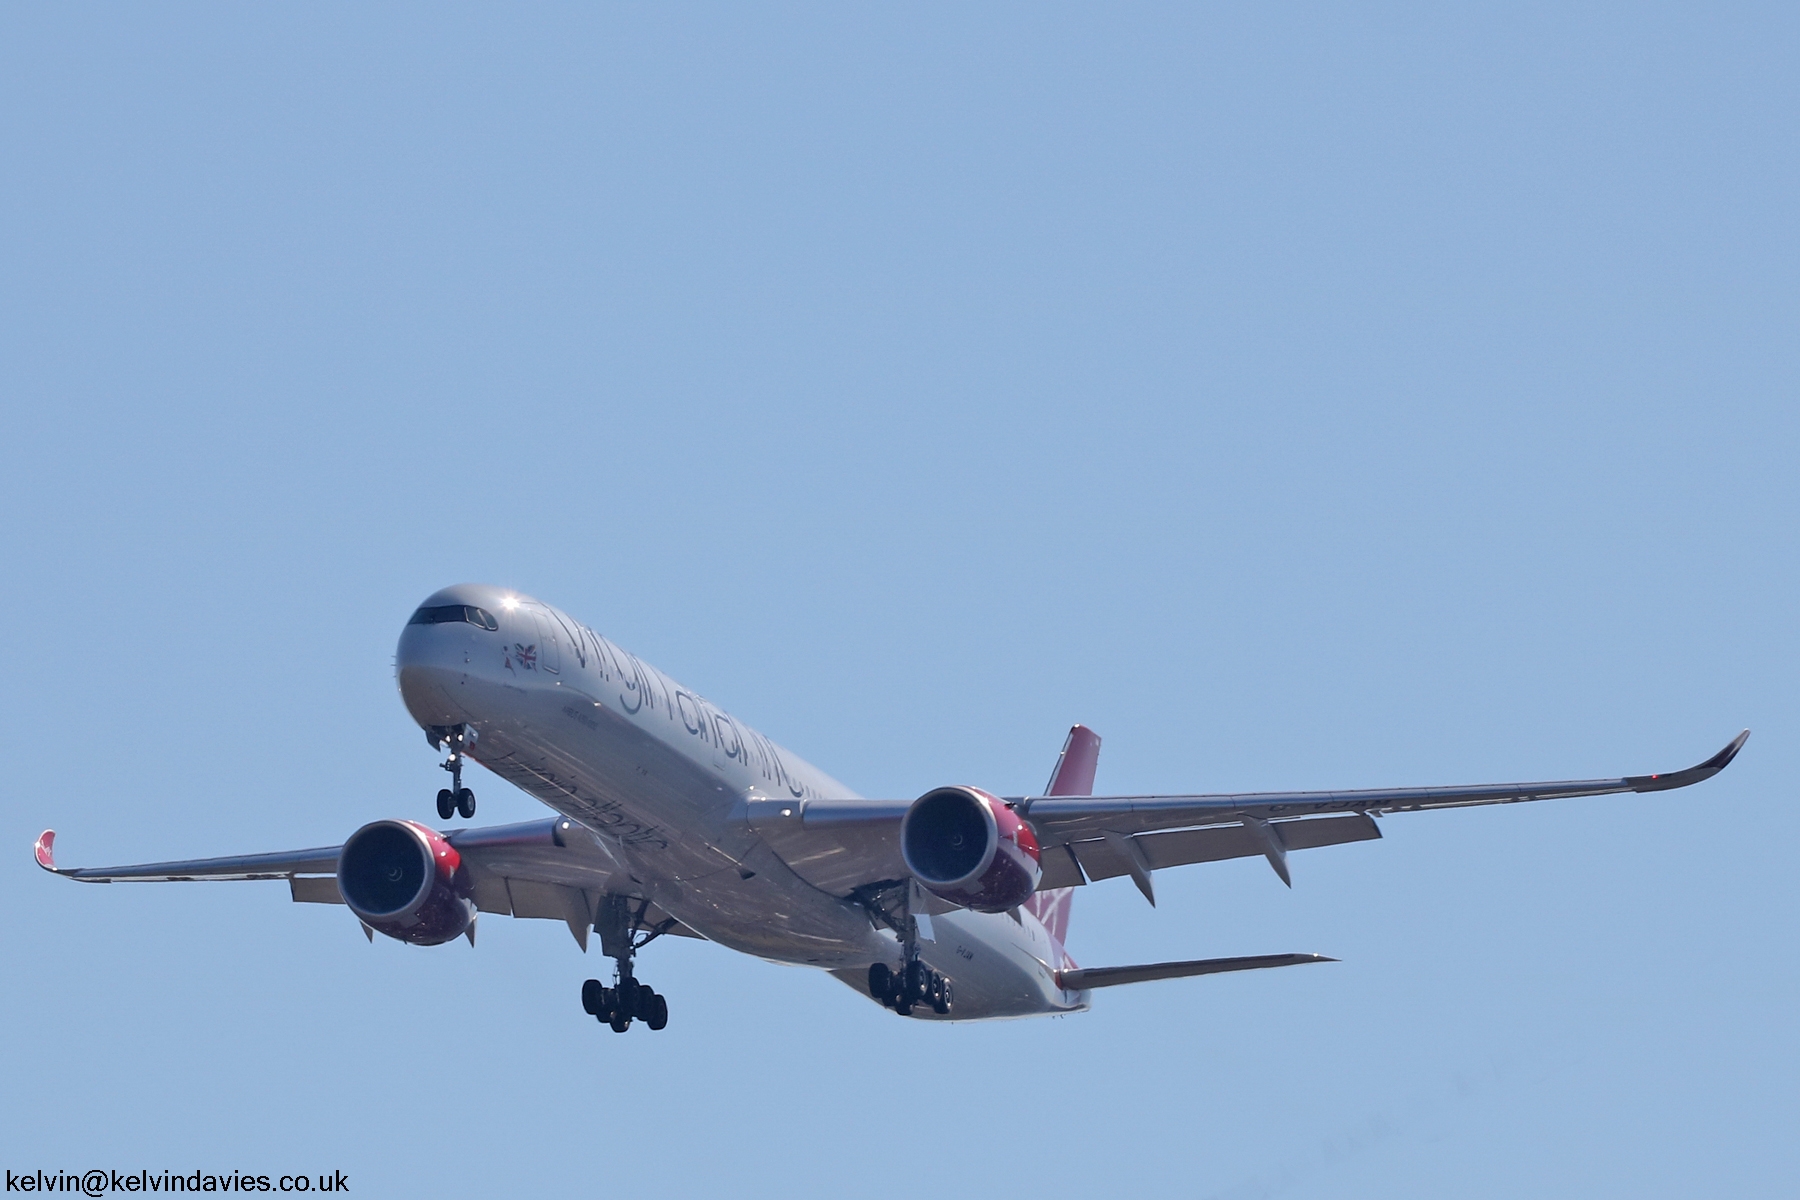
455,800
460,802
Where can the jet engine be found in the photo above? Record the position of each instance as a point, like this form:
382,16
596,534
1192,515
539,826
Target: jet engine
406,881
967,847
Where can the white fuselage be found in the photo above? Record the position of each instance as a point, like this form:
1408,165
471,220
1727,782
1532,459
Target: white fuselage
663,777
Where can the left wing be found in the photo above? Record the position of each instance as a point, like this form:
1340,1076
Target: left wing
1105,836
841,846
1071,818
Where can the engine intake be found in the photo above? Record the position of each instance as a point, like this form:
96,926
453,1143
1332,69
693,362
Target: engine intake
406,881
965,846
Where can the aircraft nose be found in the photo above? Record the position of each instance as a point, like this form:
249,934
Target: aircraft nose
447,640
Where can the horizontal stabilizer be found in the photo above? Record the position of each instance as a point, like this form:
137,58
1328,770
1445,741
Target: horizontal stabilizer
1081,978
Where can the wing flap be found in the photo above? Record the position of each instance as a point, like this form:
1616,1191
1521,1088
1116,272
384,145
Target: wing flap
1215,843
491,895
315,889
1061,870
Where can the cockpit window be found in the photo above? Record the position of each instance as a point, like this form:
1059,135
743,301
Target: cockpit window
441,614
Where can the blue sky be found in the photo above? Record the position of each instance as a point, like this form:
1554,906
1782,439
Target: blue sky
1302,398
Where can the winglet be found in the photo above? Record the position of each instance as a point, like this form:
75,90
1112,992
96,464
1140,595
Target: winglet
1678,779
46,850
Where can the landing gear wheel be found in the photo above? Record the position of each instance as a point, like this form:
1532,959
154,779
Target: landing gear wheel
918,981
620,1022
947,999
881,981
593,997
659,1012
457,739
903,1006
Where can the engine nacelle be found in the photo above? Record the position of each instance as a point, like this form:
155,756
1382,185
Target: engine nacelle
406,881
967,847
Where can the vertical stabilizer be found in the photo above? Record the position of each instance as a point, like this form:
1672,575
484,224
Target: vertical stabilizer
1073,776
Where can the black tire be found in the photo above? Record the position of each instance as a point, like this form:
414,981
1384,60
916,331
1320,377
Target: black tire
949,998
593,998
626,996
659,1012
903,1007
881,981
465,804
620,1023
918,981
446,804
646,1002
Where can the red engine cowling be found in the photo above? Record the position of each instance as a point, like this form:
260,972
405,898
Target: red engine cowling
967,847
406,881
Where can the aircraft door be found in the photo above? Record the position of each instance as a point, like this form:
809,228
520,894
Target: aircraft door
549,642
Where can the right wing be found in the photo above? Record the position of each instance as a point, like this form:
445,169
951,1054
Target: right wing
283,864
551,869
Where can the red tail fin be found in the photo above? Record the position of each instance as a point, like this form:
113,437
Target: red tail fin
1074,776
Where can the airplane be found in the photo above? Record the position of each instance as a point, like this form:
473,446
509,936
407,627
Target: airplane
674,818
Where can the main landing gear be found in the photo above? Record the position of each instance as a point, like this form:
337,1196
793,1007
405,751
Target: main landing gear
617,1007
915,985
623,932
455,800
